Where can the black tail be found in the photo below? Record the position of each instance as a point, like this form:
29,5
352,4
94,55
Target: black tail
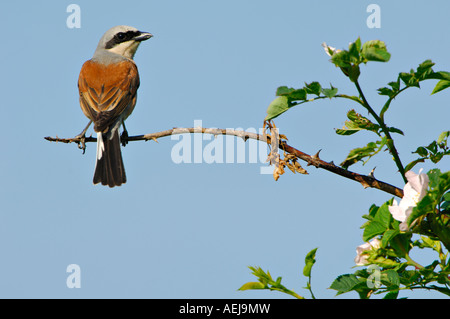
109,169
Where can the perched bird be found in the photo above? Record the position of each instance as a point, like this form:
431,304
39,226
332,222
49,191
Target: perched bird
108,85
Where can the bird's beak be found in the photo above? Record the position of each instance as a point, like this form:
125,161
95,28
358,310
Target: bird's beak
143,36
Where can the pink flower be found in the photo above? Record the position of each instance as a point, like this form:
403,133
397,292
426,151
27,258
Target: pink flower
361,258
413,192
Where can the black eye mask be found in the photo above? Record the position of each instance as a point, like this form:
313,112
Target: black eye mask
121,37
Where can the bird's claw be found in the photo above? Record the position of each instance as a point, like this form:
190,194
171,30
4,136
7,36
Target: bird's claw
81,141
124,138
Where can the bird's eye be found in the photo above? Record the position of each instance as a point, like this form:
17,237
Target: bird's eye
120,35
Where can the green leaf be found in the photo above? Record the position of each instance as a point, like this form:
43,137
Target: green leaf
375,50
432,147
390,278
331,92
379,223
441,85
443,137
345,283
284,90
422,151
386,91
431,243
277,107
357,122
409,79
252,285
313,88
358,154
298,95
291,93
401,244
424,69
388,236
345,131
443,290
414,163
353,50
395,85
440,75
391,295
373,229
395,130
310,260
383,214
424,207
342,59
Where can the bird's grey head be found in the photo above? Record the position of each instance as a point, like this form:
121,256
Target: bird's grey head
122,40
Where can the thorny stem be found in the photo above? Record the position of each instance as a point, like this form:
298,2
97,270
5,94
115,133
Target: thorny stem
390,141
365,180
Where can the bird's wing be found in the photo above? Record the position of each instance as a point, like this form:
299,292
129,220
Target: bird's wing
107,92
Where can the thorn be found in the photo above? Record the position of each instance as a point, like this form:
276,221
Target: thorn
316,156
371,174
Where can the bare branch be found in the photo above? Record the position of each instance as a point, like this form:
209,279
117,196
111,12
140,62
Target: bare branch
365,180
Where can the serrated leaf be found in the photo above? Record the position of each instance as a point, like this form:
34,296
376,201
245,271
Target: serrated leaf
284,90
358,154
408,79
299,94
342,59
390,278
383,215
395,85
386,91
345,283
373,229
313,88
357,122
375,50
424,69
291,93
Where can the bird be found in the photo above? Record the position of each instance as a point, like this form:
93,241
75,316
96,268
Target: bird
107,86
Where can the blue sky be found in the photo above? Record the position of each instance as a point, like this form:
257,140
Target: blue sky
190,230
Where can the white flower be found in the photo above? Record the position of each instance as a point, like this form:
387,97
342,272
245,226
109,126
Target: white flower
361,258
330,50
413,192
